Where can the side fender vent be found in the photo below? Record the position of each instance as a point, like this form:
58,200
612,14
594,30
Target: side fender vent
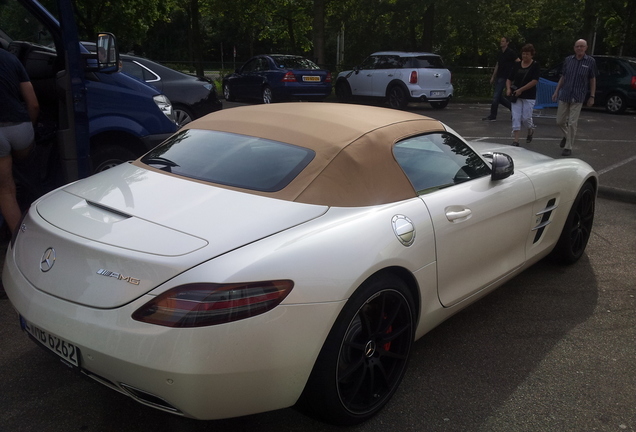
543,219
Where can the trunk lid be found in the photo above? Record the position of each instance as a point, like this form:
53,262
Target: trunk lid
108,239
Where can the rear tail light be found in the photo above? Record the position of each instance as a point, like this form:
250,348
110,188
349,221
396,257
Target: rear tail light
633,84
207,304
413,77
328,79
289,77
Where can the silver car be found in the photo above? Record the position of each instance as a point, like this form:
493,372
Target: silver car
398,78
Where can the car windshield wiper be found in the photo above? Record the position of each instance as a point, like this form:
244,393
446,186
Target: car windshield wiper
166,164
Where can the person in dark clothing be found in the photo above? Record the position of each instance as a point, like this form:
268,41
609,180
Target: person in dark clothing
19,112
505,61
522,84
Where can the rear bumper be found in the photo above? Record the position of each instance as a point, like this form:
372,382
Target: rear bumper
296,91
246,367
417,94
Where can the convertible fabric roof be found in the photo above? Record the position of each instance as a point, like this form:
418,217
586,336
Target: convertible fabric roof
354,164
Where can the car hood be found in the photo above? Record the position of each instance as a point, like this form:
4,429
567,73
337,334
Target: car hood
119,234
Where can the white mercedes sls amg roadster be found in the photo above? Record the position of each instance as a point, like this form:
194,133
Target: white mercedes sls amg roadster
290,254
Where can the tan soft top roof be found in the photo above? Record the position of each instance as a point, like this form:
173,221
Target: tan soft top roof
354,163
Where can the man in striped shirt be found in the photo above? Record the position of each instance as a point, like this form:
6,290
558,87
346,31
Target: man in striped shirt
577,78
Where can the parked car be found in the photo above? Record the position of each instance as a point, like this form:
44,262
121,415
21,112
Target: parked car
615,83
283,265
398,78
278,77
191,96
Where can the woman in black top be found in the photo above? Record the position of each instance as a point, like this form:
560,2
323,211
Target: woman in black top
522,84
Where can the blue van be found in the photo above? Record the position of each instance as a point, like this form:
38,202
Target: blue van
98,117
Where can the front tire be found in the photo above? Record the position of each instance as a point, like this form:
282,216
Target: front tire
343,92
227,92
182,116
397,97
578,227
107,157
365,355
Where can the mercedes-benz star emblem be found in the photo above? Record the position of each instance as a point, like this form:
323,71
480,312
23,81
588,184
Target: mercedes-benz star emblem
48,260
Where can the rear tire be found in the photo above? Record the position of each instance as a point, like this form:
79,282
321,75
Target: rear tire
365,355
578,227
616,103
267,95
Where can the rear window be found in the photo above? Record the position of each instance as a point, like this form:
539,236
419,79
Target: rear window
295,63
230,159
426,62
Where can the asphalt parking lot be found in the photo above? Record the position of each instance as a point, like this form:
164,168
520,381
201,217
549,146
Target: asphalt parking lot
552,350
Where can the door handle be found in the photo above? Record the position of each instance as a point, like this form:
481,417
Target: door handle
458,215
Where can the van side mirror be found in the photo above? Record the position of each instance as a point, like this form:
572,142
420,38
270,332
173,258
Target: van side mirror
107,53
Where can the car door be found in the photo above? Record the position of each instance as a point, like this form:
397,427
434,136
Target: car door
385,72
481,226
247,81
361,79
610,74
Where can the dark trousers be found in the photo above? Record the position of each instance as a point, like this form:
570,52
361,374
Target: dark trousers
499,97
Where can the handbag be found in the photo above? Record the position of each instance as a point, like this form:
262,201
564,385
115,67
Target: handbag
512,98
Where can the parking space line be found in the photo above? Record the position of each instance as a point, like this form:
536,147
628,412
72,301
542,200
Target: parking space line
617,165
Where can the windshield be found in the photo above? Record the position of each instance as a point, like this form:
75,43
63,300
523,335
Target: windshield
230,159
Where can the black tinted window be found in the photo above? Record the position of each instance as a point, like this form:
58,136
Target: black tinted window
426,62
438,160
229,159
389,62
369,63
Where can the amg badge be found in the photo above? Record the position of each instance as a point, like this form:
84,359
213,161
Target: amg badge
118,276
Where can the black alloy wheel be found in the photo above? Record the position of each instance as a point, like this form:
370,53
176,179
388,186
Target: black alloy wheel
365,355
578,227
397,97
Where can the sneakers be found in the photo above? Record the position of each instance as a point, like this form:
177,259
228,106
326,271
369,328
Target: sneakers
562,143
566,152
489,118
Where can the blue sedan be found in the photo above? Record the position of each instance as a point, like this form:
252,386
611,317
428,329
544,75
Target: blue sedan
278,77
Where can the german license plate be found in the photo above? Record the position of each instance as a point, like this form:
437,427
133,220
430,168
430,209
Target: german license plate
438,93
311,78
67,352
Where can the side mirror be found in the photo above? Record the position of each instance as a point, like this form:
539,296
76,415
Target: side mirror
502,166
107,53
